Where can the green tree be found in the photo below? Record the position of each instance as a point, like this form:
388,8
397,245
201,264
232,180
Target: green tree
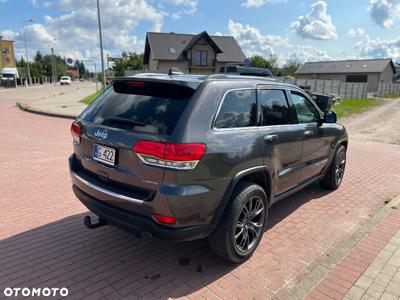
290,67
80,66
38,56
42,66
273,64
129,61
260,62
21,63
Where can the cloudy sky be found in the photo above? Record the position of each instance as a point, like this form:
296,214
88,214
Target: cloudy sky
305,30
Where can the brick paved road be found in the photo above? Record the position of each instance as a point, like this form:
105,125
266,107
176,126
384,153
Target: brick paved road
43,242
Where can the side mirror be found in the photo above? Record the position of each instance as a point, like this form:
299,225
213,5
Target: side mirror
330,117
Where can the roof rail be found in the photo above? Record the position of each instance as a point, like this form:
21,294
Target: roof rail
215,76
227,76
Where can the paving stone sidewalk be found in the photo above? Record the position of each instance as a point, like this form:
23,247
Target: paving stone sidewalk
53,100
382,278
371,270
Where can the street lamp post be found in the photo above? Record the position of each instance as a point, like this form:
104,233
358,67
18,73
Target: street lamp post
53,63
95,71
26,50
53,66
101,47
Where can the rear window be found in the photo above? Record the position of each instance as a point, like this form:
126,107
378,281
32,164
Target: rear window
155,107
231,69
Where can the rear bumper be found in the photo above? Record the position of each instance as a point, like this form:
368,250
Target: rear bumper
133,222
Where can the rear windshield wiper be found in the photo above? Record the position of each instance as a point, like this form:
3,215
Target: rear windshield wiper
117,120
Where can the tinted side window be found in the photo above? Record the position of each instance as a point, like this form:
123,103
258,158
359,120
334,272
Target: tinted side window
274,107
305,110
239,109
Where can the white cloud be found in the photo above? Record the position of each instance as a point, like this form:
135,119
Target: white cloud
378,48
317,24
356,32
34,3
7,34
190,8
259,3
253,42
384,12
75,33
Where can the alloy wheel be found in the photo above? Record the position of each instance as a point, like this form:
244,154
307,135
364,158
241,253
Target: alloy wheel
249,225
340,165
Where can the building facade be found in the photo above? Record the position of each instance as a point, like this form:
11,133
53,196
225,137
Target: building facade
7,57
370,71
197,54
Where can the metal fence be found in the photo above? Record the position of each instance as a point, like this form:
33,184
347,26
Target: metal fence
385,89
346,90
23,82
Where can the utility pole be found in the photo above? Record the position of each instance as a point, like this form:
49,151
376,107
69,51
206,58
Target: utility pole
77,68
1,54
53,65
101,47
95,77
26,51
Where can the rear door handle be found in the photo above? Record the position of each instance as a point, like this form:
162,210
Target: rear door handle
270,137
308,133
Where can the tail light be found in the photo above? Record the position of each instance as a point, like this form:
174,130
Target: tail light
174,156
76,131
165,219
135,83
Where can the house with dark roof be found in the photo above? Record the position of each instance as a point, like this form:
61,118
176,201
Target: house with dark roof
197,54
370,71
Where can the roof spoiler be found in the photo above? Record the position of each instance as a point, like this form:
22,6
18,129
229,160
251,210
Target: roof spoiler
167,80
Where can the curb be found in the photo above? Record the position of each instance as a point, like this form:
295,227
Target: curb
28,108
313,274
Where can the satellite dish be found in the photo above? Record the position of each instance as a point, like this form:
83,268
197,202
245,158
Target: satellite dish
247,62
69,60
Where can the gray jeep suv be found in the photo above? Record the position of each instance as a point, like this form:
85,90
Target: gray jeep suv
186,157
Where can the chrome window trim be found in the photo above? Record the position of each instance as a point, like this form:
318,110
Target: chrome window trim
219,108
107,192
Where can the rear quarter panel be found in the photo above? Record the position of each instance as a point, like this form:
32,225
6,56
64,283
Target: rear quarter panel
228,151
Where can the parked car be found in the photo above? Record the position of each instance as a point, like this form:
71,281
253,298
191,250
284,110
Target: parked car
189,157
247,71
65,80
9,77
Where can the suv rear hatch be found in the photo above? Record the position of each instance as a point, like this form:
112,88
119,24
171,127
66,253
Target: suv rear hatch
131,110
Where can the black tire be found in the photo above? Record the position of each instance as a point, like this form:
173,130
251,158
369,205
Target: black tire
334,176
235,220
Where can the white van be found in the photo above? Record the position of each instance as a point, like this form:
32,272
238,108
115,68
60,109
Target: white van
9,77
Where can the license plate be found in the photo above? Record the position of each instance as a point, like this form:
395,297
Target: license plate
104,154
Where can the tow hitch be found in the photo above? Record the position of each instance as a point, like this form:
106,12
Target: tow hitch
88,223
